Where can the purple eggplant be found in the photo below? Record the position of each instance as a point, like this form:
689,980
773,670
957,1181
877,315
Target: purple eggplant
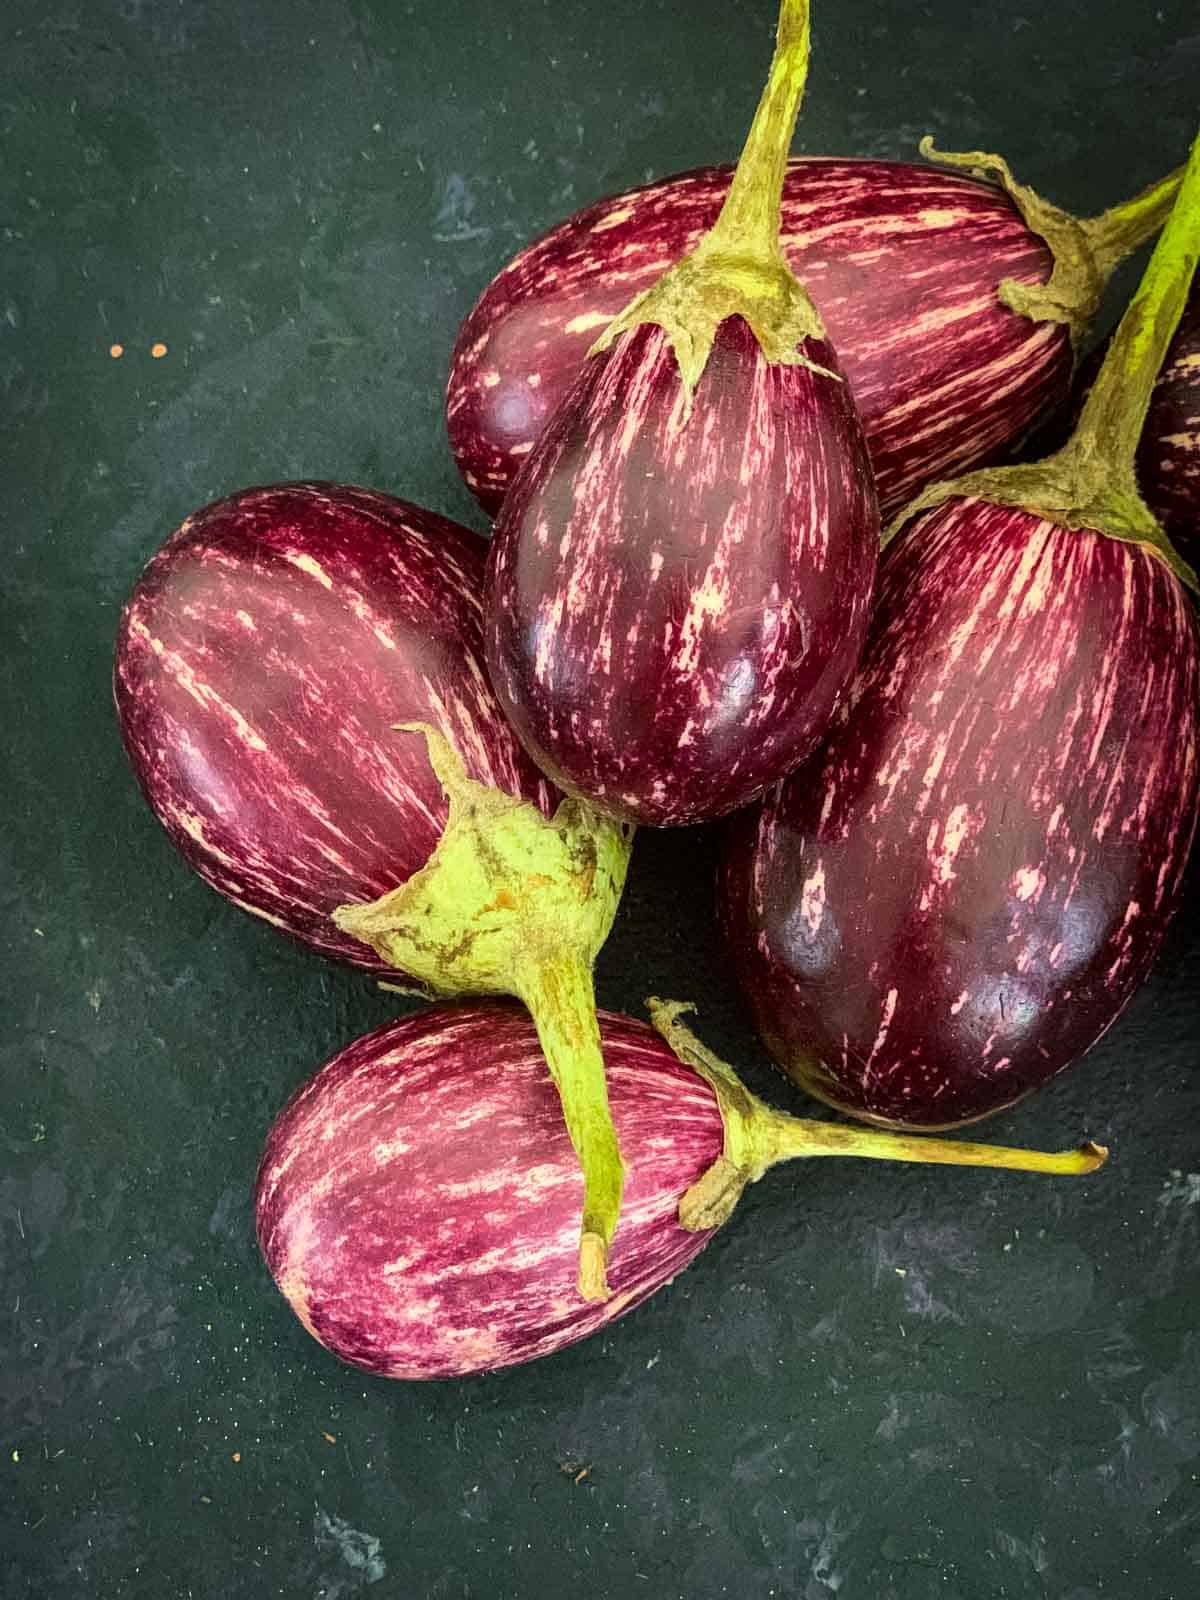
961,891
679,580
953,305
263,662
417,1200
276,666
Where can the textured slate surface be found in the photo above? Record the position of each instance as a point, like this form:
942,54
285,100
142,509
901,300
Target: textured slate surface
893,1384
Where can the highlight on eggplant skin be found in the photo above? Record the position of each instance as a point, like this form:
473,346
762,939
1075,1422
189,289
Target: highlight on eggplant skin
262,660
957,895
418,1199
674,606
903,261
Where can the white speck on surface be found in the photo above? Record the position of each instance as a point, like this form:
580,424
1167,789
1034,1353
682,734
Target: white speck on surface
453,224
894,1420
360,1551
1180,1188
1032,1551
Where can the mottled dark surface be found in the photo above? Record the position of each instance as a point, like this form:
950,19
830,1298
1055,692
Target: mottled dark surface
896,1385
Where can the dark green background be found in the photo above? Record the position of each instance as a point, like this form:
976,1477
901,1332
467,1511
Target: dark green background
877,1383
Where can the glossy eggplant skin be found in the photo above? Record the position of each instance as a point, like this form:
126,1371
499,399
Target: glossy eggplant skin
957,895
263,659
1168,460
674,604
902,260
418,1199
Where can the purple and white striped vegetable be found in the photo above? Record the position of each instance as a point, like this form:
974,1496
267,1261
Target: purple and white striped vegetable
952,303
265,659
417,1199
678,582
961,891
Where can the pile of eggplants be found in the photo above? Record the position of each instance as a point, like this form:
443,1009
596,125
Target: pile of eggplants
753,559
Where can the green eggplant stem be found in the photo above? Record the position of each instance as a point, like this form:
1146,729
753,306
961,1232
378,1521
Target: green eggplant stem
514,903
751,217
560,997
757,1137
1123,227
1114,414
739,268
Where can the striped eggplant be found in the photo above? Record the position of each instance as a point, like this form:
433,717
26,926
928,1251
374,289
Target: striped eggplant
417,1199
961,891
264,661
678,582
953,304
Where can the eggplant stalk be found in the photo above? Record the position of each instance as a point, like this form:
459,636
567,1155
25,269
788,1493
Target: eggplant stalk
739,269
1086,250
510,903
1091,482
757,1137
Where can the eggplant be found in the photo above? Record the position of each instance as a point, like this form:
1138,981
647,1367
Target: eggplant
416,1199
954,304
962,890
300,688
678,582
262,663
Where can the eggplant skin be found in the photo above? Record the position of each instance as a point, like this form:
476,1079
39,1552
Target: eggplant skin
1168,461
673,606
418,1199
903,261
957,895
262,661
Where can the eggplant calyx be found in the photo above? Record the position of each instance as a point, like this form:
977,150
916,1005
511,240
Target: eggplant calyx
739,268
694,297
513,903
711,1199
757,1136
1085,249
1072,489
1091,483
